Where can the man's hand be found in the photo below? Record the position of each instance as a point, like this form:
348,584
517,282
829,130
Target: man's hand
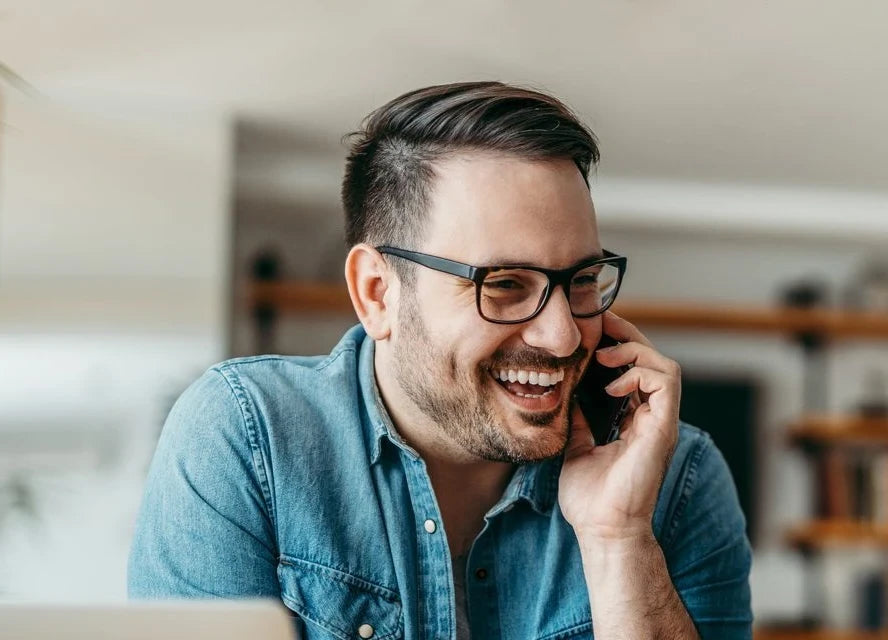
609,492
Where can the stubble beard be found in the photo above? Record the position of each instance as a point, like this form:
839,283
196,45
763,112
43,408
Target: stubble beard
452,398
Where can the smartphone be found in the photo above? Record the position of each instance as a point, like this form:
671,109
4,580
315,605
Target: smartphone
603,412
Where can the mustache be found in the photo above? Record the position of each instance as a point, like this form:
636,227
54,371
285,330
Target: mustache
530,358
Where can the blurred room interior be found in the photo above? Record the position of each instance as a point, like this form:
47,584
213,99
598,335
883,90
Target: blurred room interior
169,177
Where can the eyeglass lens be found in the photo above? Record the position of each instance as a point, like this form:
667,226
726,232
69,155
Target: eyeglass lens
515,294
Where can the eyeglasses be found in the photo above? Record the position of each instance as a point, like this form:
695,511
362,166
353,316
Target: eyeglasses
514,294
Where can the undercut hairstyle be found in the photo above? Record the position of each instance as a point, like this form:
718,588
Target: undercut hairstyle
390,169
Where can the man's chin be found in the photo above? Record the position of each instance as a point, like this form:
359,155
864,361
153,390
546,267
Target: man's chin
541,419
541,436
539,450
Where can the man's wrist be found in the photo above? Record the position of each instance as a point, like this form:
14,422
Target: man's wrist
617,546
616,537
630,592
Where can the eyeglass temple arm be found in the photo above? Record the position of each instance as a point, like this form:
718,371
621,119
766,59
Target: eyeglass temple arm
444,265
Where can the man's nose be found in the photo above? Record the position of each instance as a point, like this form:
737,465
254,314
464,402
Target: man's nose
554,328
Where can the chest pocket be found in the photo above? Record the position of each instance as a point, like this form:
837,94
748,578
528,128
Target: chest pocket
336,604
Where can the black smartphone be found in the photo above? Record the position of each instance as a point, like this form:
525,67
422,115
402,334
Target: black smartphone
603,412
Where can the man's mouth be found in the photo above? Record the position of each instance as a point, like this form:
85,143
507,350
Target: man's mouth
528,382
531,389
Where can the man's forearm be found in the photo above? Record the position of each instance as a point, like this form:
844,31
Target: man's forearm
630,591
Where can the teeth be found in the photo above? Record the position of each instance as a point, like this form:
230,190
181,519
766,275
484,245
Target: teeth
533,395
523,376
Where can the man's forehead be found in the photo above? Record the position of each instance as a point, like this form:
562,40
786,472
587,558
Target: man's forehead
508,210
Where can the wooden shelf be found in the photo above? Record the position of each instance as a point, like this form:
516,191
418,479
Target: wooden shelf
819,534
755,320
823,430
294,296
818,634
298,296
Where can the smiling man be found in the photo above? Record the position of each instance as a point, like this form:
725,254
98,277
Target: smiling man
431,477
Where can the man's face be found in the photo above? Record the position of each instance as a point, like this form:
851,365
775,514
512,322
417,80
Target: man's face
492,210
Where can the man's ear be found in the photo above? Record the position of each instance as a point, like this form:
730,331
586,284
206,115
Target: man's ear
368,277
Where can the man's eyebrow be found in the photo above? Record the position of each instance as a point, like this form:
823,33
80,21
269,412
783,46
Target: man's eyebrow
505,262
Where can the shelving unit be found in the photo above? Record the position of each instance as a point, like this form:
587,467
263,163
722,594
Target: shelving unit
816,431
831,443
823,534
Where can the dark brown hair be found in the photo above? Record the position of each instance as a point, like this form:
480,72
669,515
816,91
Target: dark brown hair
390,166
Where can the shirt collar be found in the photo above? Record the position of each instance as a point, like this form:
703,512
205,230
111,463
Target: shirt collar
536,483
377,422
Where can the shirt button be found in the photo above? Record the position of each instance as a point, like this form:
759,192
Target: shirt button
481,574
365,631
430,526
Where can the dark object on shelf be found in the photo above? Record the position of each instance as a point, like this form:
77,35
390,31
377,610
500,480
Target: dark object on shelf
833,484
265,267
17,495
871,599
862,489
810,293
726,408
804,294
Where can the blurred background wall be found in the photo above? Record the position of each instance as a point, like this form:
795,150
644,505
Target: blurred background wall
113,278
167,154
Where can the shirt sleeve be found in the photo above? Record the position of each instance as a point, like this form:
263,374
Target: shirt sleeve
204,529
707,550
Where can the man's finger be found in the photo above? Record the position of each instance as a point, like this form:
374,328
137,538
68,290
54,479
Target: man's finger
622,330
661,391
637,354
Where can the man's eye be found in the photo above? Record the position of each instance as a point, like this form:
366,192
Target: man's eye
505,284
585,280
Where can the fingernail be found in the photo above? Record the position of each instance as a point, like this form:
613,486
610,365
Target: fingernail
605,349
611,386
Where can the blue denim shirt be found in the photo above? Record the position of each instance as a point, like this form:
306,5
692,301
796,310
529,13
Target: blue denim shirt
283,477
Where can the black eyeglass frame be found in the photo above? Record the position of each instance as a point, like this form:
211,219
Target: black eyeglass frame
555,277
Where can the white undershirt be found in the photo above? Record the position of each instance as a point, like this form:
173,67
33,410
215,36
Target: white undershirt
463,631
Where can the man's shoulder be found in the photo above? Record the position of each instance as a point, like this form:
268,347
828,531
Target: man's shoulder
269,371
293,374
276,399
694,449
698,481
691,439
693,444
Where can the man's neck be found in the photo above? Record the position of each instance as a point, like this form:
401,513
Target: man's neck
466,486
465,493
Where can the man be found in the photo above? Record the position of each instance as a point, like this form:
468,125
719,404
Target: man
431,478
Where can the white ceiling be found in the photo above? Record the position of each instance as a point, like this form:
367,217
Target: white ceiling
791,93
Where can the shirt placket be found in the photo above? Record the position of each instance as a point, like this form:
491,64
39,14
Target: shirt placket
435,579
481,593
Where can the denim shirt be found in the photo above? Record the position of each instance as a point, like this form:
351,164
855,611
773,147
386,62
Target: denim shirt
283,477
